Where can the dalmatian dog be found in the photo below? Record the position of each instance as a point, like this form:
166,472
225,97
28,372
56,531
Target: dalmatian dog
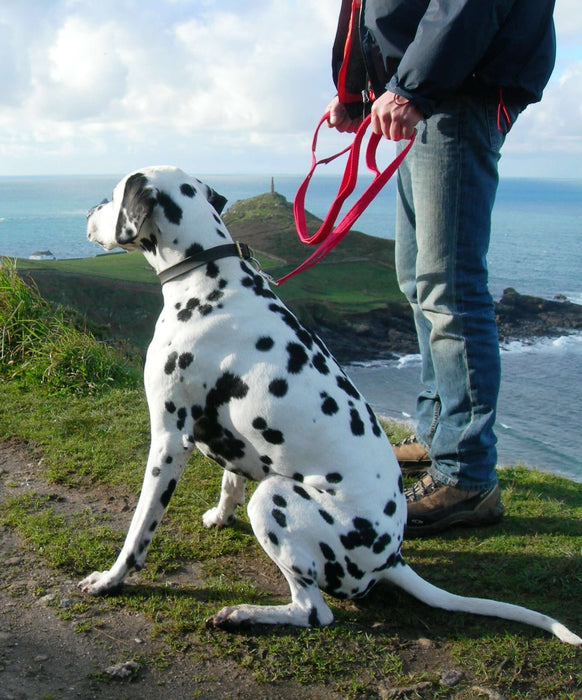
230,371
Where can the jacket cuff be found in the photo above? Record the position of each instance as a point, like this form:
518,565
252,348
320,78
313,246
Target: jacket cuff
425,105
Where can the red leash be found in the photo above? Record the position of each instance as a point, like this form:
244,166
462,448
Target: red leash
329,235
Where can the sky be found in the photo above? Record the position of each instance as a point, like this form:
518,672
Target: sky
214,87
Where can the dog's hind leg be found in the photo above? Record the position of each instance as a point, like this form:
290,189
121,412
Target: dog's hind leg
286,534
164,469
232,495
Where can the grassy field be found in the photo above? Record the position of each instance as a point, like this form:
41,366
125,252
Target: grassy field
95,441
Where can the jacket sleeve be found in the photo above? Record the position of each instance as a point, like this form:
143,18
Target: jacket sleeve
451,39
348,67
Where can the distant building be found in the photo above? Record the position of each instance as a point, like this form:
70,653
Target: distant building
42,255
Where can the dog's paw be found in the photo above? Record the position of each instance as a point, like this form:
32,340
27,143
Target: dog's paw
214,518
98,583
228,619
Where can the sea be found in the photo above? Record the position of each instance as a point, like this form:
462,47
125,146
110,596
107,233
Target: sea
536,248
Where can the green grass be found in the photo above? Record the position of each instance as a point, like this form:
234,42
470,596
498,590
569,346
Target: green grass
131,267
533,558
41,343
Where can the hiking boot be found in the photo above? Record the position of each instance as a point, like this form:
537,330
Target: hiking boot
411,455
434,507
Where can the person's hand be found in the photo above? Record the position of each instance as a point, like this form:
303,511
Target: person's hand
339,118
394,117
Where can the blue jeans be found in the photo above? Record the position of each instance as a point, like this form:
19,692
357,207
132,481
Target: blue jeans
446,190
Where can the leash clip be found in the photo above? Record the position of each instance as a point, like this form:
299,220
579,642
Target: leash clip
246,253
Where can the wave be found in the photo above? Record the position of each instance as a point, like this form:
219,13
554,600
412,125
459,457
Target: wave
398,362
572,342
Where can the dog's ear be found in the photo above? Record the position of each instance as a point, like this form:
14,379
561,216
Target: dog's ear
217,200
137,205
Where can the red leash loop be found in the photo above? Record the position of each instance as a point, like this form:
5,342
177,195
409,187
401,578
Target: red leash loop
328,234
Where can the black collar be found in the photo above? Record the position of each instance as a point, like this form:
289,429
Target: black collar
238,250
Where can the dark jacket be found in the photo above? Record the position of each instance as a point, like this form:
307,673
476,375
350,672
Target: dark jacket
428,50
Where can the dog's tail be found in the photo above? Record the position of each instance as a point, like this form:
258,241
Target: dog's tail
407,579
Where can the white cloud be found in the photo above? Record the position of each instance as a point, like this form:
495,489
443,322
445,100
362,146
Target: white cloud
230,86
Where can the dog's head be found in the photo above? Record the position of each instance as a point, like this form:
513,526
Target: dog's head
157,208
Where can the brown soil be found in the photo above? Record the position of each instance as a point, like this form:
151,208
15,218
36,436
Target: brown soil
44,656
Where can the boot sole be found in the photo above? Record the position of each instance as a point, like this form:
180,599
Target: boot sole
466,519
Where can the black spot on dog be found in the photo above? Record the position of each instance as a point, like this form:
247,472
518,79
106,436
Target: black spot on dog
205,309
345,385
197,412
264,344
194,249
376,429
327,551
329,406
364,535
279,501
221,233
287,317
170,407
273,537
186,314
300,491
156,471
185,360
208,430
393,560
390,508
326,516
172,211
278,387
170,365
279,517
305,337
181,418
400,484
275,437
154,525
356,423
297,477
130,561
334,478
381,543
215,295
334,573
259,423
187,190
297,358
212,270
313,618
169,459
265,459
320,364
353,569
149,245
167,495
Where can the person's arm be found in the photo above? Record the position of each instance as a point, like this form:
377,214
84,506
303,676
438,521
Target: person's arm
452,37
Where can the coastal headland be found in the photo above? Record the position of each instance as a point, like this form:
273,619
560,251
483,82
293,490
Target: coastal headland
351,298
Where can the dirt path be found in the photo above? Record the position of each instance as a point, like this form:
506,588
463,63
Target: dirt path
44,656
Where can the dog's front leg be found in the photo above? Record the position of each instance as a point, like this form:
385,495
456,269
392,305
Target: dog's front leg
232,495
159,483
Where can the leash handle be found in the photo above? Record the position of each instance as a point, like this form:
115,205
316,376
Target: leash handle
328,235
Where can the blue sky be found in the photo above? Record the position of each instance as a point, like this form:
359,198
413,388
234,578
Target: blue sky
213,87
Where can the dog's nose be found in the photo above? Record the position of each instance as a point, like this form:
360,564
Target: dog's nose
96,208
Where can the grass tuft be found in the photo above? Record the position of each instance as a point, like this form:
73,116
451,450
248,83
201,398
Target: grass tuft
40,343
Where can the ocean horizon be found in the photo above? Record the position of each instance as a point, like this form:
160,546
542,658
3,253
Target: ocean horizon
535,247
